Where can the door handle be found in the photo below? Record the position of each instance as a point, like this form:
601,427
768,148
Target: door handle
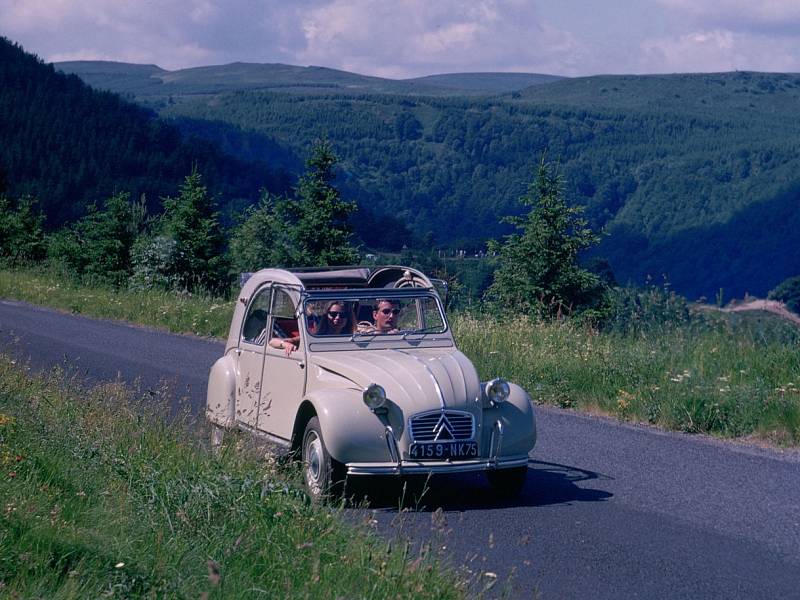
301,364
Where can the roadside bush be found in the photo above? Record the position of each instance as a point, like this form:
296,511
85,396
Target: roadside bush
98,246
153,263
788,292
191,221
538,272
633,309
21,235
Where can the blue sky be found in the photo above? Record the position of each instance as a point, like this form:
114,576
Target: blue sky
409,38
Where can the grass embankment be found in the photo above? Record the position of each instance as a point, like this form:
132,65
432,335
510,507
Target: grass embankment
102,497
181,313
708,377
725,376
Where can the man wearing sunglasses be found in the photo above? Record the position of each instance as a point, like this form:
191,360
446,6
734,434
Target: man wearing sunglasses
385,316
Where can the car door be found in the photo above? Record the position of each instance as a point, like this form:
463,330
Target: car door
252,342
284,376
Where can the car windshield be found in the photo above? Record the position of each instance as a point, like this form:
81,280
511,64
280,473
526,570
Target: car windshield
405,314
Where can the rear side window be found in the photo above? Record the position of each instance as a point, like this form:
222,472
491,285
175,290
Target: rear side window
255,324
283,307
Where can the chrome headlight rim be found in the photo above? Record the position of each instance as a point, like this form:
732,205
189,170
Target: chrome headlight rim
374,396
497,390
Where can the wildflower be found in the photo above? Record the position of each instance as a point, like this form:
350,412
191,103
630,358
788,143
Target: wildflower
119,565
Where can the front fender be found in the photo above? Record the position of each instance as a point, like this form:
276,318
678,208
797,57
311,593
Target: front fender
518,420
221,395
352,432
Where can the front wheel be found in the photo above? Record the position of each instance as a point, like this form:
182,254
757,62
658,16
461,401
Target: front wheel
324,476
508,482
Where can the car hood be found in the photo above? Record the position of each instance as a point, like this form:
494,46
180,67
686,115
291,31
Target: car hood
415,380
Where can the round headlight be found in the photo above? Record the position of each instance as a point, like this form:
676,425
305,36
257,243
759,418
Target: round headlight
497,390
374,396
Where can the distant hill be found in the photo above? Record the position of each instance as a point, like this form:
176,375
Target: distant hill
153,85
492,83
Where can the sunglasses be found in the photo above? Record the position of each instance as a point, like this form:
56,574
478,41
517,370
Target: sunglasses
337,313
394,311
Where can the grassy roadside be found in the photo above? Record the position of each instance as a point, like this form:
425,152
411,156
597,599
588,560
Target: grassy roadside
728,377
201,315
728,381
101,497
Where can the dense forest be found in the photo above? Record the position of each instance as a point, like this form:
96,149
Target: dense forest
71,146
688,176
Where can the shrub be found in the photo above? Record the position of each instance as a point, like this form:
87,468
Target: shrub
789,293
21,235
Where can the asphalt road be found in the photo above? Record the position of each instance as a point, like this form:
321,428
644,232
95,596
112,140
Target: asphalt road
608,511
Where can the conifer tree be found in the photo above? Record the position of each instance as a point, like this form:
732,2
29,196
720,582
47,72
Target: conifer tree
191,221
99,244
322,229
265,237
538,271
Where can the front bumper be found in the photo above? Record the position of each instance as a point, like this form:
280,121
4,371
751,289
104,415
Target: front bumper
408,467
399,466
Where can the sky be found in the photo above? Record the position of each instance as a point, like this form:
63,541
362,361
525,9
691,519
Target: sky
411,38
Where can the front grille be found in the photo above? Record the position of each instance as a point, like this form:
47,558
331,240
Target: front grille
442,426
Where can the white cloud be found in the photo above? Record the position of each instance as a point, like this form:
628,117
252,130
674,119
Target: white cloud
719,50
406,38
740,15
412,37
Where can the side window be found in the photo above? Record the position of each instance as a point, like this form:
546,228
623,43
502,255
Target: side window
254,330
282,306
284,322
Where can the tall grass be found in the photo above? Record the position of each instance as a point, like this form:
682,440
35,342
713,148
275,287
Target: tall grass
102,497
181,313
711,378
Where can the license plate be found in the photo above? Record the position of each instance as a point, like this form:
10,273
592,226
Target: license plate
443,450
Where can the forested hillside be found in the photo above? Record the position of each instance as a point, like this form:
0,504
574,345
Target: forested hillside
692,176
69,145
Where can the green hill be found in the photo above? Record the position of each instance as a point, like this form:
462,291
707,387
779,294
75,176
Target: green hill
692,176
155,86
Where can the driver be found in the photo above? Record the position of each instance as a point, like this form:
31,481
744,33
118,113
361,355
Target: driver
385,315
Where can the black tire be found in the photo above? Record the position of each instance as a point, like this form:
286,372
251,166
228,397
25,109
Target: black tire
324,476
508,482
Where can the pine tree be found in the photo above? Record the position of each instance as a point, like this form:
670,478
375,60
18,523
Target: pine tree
322,230
538,271
265,237
192,223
